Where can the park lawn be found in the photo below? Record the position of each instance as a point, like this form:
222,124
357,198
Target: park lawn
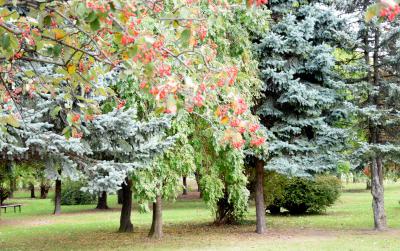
345,226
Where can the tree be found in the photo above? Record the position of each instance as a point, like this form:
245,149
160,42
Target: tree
185,185
301,92
120,144
161,46
78,53
375,97
102,201
299,105
229,47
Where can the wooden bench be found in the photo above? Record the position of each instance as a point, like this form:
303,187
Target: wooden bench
13,205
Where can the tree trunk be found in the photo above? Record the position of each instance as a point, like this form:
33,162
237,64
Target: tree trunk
13,187
12,180
185,187
126,225
197,176
120,198
368,184
32,188
225,211
156,231
378,196
260,207
57,198
102,201
375,138
44,190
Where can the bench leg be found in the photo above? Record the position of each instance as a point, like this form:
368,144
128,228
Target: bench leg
14,210
19,209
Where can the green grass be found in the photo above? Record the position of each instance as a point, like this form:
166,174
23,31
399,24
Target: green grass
345,226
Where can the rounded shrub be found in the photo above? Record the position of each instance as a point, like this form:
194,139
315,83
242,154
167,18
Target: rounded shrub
71,194
300,195
274,187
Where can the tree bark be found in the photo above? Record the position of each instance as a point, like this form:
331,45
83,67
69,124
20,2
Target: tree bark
44,190
225,211
185,187
378,196
125,224
368,187
156,231
260,207
57,198
32,188
13,183
102,201
119,195
377,190
197,176
13,187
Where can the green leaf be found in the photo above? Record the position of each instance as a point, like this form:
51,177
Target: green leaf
91,17
57,50
81,9
29,73
69,119
67,132
132,52
372,12
101,91
149,69
5,40
185,37
12,121
55,111
95,25
47,20
112,6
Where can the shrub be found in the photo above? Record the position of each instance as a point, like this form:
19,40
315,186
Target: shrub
274,187
300,195
71,194
4,193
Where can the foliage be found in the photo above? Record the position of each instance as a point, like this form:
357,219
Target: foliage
274,190
79,71
72,194
201,135
374,86
301,106
383,9
301,195
163,46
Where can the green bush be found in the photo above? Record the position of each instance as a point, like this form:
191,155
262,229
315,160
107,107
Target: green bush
300,195
71,194
274,188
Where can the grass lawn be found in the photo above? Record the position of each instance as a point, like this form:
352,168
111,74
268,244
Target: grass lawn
345,226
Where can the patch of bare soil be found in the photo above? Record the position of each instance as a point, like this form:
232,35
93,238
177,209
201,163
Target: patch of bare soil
27,222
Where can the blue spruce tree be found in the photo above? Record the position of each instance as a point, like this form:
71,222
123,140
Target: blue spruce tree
300,103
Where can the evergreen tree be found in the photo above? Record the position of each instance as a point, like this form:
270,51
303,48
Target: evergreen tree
300,103
373,77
